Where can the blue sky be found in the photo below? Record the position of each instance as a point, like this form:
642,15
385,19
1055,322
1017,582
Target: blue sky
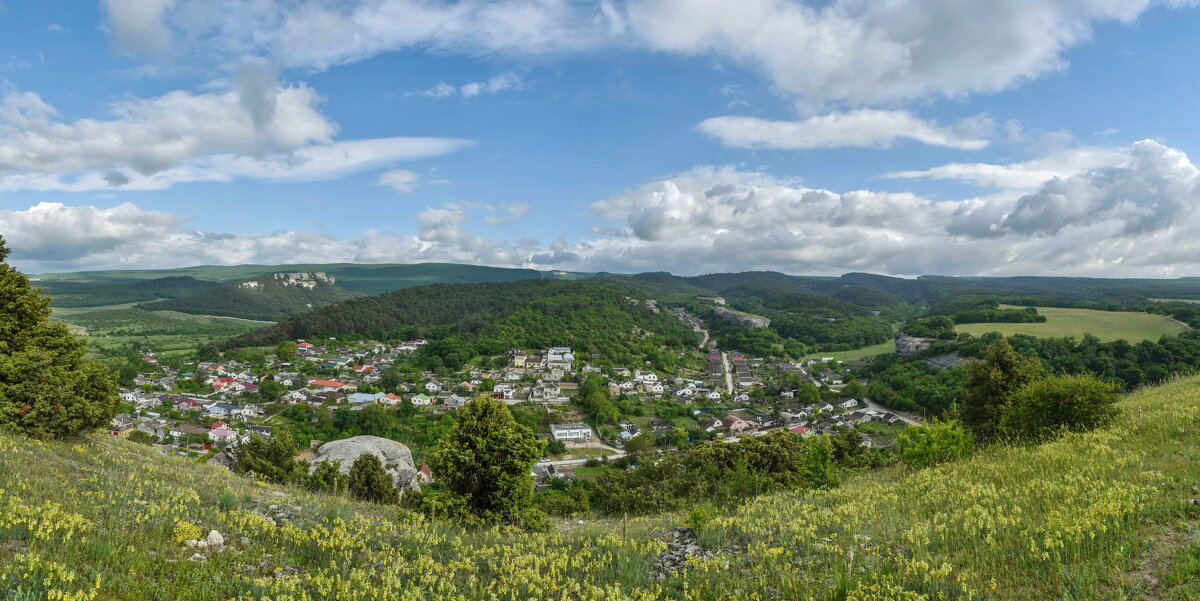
941,136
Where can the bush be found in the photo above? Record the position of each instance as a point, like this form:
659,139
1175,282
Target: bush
368,481
935,442
1051,405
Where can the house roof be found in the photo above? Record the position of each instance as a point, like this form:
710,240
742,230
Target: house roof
326,383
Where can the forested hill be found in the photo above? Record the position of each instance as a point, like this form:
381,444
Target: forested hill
604,319
268,298
93,294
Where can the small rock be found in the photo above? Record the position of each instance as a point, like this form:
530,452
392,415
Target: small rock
1195,501
197,558
245,541
214,539
190,543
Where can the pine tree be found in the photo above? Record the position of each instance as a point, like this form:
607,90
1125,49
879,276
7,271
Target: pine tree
991,385
47,388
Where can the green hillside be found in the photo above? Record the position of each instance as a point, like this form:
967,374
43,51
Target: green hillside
101,293
1104,515
264,298
599,318
365,278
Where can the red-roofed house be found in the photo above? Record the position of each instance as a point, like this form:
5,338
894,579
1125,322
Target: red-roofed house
330,385
802,431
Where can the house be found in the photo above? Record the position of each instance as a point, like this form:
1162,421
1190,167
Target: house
222,435
685,393
454,401
645,376
661,427
621,372
713,395
421,400
518,358
803,431
188,430
327,385
221,409
294,397
363,398
186,404
848,404
121,425
157,428
741,397
713,425
736,424
574,431
628,385
628,431
655,388
391,400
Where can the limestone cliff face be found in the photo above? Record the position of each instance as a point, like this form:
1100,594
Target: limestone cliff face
742,319
396,458
908,345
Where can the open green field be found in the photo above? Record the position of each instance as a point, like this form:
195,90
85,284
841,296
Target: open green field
865,352
117,329
1105,325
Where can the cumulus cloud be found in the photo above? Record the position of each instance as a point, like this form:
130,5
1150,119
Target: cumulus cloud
511,212
1137,218
863,127
138,25
1026,174
249,127
860,53
493,85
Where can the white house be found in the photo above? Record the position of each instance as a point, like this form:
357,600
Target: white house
645,376
421,400
573,431
655,388
433,387
849,404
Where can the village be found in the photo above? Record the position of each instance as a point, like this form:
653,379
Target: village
203,409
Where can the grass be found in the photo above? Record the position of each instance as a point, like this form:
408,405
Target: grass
865,352
116,328
1105,325
1104,515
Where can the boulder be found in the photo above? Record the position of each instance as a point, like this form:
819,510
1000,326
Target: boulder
395,457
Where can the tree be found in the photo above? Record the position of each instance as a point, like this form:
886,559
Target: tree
486,458
47,388
368,481
641,445
990,386
142,437
1075,403
934,442
286,351
327,476
819,470
270,390
273,460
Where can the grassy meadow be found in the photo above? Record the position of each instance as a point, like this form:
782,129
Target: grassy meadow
865,352
1105,325
1103,515
114,328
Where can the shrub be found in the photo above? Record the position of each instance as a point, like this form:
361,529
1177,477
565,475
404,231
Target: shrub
368,481
1074,403
935,442
186,531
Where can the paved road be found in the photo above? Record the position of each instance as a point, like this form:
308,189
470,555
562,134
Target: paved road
728,373
567,462
907,418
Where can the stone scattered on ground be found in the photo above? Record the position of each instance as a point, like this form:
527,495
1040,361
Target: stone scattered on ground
681,546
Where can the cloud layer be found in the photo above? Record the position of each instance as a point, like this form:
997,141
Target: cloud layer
863,127
1136,218
247,127
860,53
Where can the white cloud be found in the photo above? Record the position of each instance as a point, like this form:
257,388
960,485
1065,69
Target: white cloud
251,127
138,25
493,85
512,212
1027,174
856,52
1135,219
400,180
863,127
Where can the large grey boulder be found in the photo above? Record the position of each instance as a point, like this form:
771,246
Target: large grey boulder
396,458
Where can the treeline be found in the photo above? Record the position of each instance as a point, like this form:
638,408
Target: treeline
100,293
463,321
997,315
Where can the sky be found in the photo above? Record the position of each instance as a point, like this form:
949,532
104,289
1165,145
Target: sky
954,137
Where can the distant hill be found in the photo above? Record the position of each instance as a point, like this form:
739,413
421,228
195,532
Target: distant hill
268,298
69,293
605,318
367,278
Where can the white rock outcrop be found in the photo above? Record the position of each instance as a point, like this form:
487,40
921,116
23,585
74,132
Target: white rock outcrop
395,457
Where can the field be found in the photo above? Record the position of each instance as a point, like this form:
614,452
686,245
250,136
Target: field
118,329
865,352
1105,325
1105,515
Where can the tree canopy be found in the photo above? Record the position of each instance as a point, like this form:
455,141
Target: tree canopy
48,389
